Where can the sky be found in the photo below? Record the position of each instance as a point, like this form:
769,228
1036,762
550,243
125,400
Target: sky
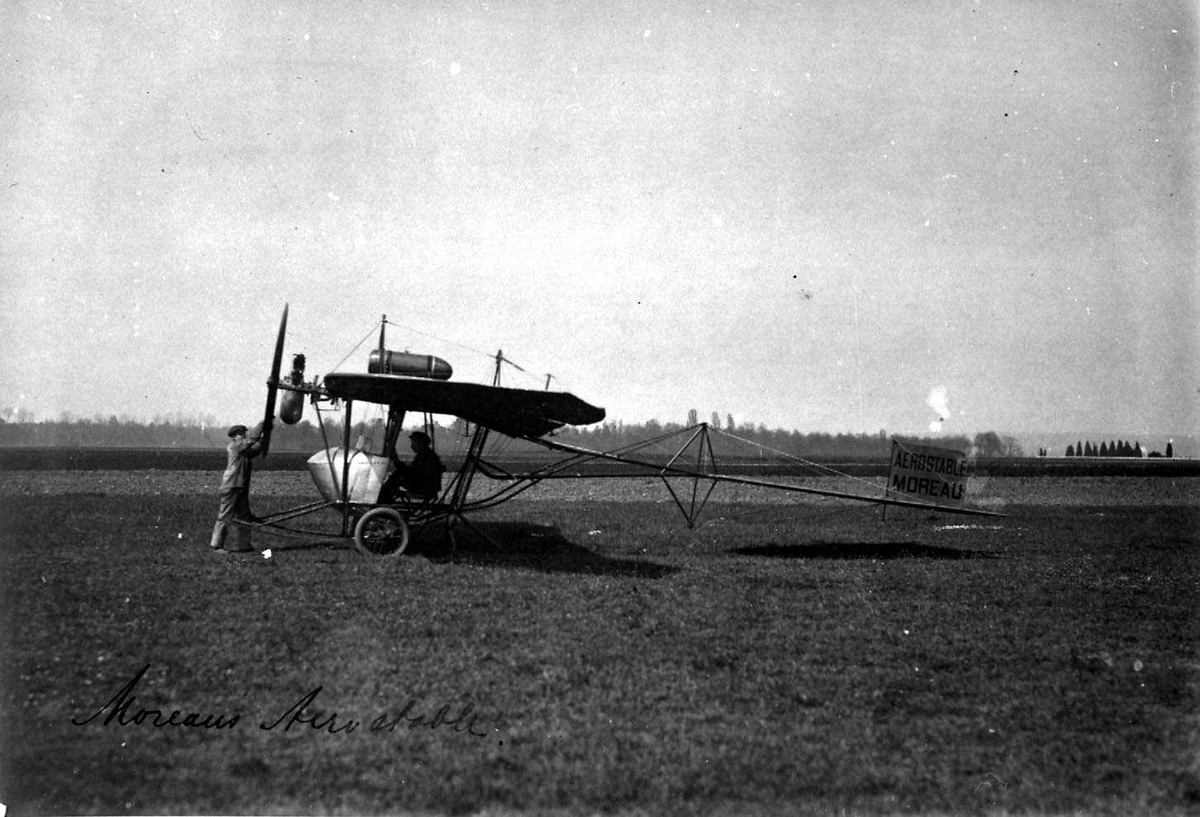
825,216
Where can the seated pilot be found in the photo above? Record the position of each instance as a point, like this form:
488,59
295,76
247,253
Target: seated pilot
422,477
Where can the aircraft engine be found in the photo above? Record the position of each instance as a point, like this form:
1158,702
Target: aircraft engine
409,365
291,408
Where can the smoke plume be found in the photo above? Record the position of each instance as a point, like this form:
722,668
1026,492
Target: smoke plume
939,401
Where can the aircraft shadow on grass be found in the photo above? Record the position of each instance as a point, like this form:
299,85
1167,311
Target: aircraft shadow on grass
517,545
861,550
526,546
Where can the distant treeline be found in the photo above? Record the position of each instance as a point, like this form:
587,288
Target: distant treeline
1115,448
308,437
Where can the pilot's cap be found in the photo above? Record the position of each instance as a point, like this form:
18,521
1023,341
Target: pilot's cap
236,430
420,436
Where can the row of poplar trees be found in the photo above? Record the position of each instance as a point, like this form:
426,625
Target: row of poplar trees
1120,448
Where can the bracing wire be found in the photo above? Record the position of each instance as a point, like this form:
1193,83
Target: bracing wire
439,339
816,466
465,347
369,334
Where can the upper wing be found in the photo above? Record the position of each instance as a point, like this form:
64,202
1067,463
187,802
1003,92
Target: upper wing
515,412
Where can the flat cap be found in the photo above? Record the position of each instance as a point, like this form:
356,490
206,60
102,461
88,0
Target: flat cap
236,430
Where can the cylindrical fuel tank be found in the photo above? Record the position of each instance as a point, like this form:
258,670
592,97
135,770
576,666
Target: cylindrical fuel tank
410,365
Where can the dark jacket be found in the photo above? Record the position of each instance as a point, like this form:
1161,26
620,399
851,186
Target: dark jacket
423,476
240,452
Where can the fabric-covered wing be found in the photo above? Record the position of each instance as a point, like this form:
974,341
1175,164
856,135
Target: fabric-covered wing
515,412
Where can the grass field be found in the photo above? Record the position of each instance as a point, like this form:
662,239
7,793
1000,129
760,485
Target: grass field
808,656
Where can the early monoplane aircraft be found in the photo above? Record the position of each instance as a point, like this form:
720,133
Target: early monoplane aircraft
350,478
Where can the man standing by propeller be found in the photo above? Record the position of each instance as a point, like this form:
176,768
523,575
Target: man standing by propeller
244,445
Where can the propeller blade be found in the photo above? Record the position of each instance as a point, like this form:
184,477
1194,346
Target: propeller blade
273,384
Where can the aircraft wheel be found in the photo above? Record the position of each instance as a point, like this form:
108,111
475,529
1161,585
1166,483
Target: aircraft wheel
381,532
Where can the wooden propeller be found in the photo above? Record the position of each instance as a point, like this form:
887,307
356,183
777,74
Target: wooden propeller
273,384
